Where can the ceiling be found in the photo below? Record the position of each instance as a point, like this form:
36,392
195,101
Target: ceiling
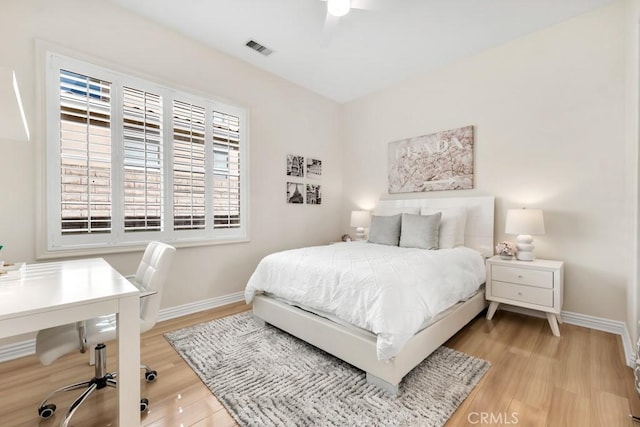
364,51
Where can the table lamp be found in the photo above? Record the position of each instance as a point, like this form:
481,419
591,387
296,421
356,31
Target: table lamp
360,220
524,223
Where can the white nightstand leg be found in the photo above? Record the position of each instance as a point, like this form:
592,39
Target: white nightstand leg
553,322
492,309
559,318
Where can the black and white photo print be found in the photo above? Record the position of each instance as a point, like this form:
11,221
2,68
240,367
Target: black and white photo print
295,165
314,196
314,168
295,192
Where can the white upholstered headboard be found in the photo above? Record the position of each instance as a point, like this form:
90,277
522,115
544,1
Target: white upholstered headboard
479,228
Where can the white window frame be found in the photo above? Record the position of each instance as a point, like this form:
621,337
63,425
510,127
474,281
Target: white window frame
56,241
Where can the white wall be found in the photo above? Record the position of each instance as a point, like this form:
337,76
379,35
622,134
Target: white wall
284,119
632,138
549,115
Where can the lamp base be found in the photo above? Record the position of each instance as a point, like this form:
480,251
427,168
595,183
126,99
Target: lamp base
525,248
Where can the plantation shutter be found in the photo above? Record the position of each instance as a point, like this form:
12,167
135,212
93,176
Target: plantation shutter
85,154
143,160
188,166
226,170
129,160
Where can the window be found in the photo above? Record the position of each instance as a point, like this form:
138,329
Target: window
129,160
142,160
85,154
189,207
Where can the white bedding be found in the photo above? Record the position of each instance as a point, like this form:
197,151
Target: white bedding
388,290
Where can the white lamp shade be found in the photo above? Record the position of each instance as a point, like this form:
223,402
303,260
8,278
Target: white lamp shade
338,7
360,218
524,221
13,122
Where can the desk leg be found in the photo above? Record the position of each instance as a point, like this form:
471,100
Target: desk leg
128,321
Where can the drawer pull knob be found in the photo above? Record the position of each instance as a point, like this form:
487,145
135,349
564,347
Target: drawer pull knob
519,276
520,293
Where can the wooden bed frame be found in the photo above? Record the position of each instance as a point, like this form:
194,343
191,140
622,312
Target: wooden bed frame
358,347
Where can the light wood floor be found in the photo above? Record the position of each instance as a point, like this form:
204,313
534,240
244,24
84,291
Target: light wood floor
536,379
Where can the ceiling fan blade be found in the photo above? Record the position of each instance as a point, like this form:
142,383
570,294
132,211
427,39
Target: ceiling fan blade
366,4
330,23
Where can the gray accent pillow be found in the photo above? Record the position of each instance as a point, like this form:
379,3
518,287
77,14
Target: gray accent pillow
420,231
385,230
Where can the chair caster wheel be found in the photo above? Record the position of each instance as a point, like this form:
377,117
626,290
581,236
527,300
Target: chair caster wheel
151,376
144,404
47,411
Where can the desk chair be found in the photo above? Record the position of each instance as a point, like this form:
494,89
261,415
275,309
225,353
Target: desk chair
55,342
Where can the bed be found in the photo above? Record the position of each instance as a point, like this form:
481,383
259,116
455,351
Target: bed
278,298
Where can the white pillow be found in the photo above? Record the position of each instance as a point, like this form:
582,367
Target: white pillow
388,211
452,225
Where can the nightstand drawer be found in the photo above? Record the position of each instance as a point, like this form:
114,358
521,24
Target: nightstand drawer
523,276
521,293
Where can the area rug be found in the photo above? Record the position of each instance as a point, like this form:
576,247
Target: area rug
266,377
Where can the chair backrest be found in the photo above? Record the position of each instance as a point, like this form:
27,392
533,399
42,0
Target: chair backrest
151,276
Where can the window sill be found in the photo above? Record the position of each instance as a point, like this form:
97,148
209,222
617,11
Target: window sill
106,250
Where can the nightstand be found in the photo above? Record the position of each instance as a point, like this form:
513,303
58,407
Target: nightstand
537,285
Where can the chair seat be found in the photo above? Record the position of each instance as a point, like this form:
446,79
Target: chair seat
54,342
51,343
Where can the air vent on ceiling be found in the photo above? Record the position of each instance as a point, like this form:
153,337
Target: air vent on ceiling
259,48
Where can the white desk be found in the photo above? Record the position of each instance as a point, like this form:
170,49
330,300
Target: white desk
56,293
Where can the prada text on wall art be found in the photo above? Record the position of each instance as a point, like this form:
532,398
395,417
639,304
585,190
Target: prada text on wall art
438,161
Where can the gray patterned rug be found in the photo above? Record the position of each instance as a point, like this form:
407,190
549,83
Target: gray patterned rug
265,377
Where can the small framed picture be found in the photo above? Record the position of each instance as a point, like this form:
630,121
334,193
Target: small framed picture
295,192
295,165
314,194
314,168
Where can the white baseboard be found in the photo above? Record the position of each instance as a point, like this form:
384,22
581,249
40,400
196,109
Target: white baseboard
597,323
28,347
18,349
195,307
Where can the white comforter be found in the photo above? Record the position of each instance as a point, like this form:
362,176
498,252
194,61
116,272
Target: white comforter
388,290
